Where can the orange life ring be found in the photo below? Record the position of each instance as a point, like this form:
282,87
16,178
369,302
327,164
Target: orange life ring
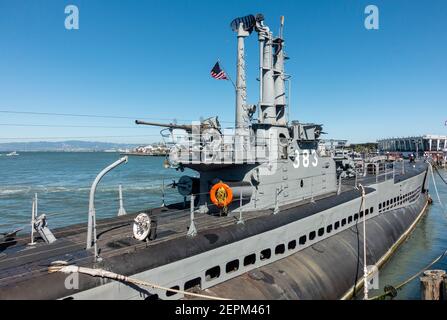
221,195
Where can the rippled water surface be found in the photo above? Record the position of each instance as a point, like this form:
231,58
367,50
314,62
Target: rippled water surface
62,182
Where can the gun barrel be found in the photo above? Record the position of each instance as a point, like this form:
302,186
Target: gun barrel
166,125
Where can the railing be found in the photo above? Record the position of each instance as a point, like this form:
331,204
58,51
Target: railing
214,147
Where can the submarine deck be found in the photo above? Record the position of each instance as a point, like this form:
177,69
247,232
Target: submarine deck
115,236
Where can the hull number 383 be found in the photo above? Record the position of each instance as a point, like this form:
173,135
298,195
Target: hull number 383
305,159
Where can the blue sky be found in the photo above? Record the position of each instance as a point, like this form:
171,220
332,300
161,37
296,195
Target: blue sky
152,59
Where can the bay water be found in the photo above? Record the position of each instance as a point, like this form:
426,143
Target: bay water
62,181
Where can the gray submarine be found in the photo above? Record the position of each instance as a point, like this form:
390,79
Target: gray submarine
266,217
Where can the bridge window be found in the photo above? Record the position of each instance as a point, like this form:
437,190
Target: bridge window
343,222
336,225
312,235
349,219
329,228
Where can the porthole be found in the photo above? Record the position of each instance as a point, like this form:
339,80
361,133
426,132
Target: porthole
212,273
265,254
280,249
291,245
302,240
320,232
194,283
250,259
152,297
232,266
172,293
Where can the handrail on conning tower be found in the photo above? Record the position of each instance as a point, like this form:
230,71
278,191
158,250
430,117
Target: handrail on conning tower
91,227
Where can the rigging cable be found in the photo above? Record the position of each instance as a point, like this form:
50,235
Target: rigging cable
392,291
96,116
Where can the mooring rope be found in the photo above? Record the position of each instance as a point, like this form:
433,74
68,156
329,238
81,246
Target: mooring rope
440,175
402,284
115,276
436,188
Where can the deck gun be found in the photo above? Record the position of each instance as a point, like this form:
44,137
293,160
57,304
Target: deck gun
209,123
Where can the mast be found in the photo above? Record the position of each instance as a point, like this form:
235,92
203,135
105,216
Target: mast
279,77
241,121
267,90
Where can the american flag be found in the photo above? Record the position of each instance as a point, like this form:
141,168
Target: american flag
218,73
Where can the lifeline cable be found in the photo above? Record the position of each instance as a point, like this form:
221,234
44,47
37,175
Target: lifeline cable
115,276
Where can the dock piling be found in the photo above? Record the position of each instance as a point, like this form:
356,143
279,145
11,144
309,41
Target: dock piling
433,285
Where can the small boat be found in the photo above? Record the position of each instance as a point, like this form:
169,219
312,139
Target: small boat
12,154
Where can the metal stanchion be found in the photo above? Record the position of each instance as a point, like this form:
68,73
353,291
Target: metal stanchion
192,231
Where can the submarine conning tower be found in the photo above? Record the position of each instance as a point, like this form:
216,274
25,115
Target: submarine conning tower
261,163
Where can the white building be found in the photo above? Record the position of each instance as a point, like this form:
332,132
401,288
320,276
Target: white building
421,144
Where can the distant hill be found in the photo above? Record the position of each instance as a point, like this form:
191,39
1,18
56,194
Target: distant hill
67,146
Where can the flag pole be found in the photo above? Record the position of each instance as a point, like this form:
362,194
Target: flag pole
228,76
